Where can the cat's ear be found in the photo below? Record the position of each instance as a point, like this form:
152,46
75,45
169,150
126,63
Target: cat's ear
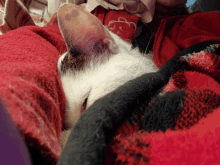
82,29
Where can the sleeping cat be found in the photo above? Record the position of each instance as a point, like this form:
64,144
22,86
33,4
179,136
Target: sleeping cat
96,63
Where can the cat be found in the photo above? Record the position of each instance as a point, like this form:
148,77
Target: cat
97,61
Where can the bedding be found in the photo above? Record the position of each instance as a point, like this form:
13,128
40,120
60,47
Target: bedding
169,117
30,86
31,89
179,32
156,118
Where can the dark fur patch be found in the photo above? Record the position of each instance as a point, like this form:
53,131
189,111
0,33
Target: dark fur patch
100,47
77,58
74,60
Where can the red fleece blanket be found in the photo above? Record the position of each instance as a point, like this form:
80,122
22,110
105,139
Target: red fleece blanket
30,85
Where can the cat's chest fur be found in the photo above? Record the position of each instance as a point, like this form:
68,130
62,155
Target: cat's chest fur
95,64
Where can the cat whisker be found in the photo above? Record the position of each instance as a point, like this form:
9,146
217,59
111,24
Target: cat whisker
148,43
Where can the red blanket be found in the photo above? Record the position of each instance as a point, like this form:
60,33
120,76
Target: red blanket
179,32
119,22
30,85
181,124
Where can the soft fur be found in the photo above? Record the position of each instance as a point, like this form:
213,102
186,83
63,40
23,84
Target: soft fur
97,61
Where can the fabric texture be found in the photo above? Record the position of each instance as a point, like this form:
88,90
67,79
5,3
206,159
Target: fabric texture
168,117
180,125
179,32
119,22
32,92
30,86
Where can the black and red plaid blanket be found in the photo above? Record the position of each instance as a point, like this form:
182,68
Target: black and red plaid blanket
168,117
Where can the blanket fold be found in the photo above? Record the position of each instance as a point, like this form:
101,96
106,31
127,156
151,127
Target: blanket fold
179,32
30,86
174,109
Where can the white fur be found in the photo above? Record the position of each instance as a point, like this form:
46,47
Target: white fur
101,79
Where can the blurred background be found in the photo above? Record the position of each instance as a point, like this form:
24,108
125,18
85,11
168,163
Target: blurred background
190,2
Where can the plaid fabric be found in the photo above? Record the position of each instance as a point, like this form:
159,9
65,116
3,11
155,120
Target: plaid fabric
175,121
169,117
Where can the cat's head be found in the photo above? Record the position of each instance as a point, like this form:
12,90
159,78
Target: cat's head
89,44
96,62
84,34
